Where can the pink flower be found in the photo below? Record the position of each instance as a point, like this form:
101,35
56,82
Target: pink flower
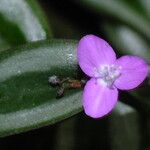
98,60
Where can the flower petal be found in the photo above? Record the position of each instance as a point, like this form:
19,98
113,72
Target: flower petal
92,52
98,100
133,72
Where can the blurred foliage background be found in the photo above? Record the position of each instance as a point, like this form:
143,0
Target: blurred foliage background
34,44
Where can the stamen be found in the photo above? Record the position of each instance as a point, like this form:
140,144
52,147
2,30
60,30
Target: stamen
107,74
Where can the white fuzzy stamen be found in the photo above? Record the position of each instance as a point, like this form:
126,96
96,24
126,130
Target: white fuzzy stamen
107,74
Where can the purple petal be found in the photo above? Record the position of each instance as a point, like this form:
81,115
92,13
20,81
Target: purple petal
133,72
92,52
98,100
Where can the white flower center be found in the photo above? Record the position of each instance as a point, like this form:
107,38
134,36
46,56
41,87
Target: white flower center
107,74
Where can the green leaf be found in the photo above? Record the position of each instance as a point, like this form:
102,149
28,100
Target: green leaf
3,44
137,6
27,101
22,21
145,4
126,40
124,128
121,11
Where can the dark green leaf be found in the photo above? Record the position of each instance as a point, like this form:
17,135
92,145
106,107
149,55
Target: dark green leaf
3,44
137,6
124,128
146,4
121,11
126,40
27,100
22,21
